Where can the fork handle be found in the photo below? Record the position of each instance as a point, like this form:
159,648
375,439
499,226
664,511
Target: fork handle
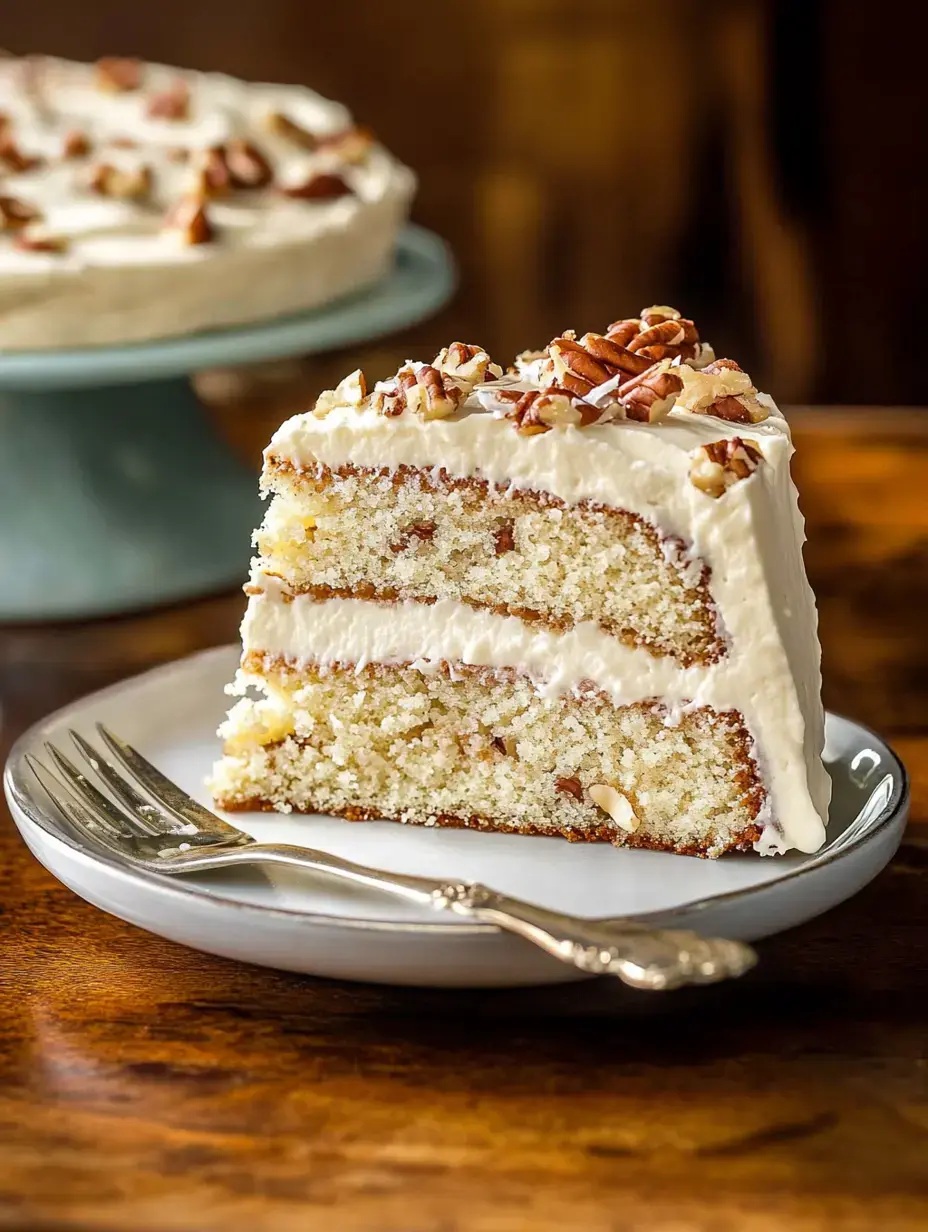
641,956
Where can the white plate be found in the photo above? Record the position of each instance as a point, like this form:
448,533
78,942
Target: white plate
283,918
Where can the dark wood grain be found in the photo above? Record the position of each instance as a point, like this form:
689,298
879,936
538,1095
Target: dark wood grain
147,1087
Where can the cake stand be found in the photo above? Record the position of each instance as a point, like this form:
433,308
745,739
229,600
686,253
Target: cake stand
115,492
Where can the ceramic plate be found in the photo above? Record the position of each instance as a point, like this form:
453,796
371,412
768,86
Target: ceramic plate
279,917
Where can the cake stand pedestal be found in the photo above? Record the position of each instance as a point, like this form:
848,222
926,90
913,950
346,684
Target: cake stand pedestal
115,492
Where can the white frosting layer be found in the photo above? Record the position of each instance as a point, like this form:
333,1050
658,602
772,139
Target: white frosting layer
122,276
751,539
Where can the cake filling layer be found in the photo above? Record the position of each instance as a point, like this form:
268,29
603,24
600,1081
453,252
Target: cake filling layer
414,535
465,746
352,631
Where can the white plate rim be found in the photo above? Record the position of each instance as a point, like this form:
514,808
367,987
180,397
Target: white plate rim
16,774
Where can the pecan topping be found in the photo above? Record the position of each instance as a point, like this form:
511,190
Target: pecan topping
504,539
76,144
248,168
649,397
619,808
212,177
421,532
170,104
319,187
570,787
12,158
467,363
659,333
189,220
110,181
721,389
350,392
118,75
16,214
425,391
282,126
351,146
40,243
715,467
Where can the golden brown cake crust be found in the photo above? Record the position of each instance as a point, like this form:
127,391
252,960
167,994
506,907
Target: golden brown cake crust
574,834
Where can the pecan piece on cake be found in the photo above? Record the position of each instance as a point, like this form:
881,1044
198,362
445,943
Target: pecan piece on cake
133,184
170,104
322,186
351,146
12,159
39,243
189,220
721,389
16,214
75,144
248,168
118,74
280,125
715,467
350,392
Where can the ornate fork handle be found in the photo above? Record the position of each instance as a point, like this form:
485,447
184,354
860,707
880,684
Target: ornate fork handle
643,957
640,955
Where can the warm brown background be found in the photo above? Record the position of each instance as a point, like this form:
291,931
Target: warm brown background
761,163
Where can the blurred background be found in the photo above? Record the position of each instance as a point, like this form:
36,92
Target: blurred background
754,162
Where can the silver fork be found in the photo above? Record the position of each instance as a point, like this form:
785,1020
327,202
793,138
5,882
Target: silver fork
166,831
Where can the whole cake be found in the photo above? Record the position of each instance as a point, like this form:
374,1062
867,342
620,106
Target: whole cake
566,600
139,201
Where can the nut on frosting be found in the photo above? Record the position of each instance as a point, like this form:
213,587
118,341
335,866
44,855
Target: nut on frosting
639,370
715,467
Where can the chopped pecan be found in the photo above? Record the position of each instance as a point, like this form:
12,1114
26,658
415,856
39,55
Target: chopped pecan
110,181
352,145
12,158
212,177
247,166
170,104
718,465
423,390
658,313
40,243
350,392
282,126
118,74
76,144
723,390
570,786
321,186
649,397
421,532
189,220
504,539
619,808
467,363
659,333
16,214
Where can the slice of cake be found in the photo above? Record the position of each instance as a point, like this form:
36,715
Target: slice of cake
567,600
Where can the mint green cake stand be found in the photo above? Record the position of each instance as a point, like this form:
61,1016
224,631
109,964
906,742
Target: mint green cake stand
115,492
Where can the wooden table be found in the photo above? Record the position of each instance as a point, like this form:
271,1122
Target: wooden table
147,1087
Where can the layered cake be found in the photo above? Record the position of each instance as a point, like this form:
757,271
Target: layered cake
568,599
139,201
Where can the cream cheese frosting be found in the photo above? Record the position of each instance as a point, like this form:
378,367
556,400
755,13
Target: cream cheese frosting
120,275
750,538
